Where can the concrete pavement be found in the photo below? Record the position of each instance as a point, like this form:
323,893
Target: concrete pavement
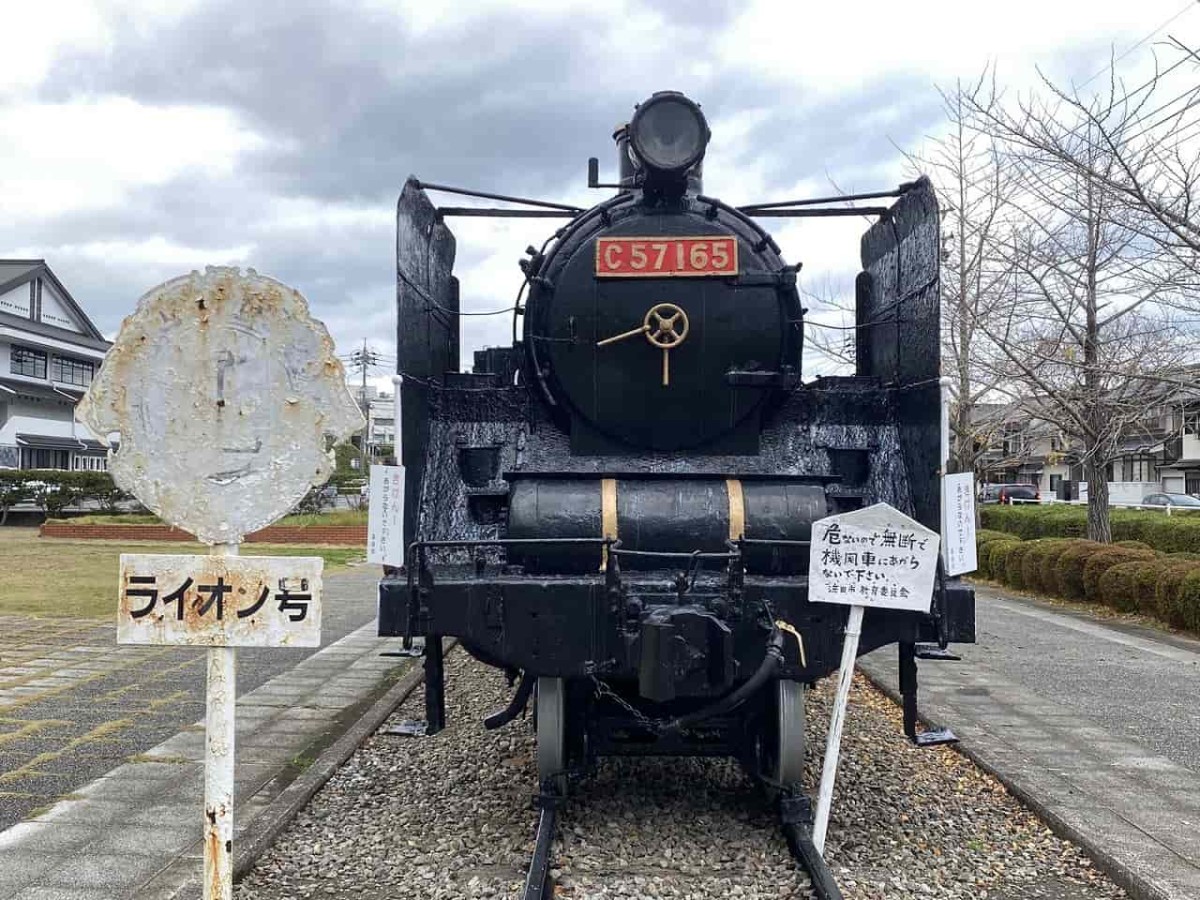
1095,724
135,831
73,704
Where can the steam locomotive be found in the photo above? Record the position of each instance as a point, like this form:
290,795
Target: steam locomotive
616,509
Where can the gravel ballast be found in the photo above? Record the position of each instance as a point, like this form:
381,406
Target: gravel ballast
450,817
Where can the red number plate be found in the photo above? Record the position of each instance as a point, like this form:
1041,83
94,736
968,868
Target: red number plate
647,257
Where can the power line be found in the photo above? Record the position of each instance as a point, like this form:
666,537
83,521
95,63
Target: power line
1191,4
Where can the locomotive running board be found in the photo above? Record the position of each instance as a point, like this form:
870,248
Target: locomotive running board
796,819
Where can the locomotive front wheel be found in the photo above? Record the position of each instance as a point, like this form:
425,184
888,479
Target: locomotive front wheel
552,731
783,743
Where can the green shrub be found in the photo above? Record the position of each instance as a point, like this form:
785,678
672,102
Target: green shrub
1133,545
1032,566
1167,599
1014,573
1123,586
1050,557
1068,572
985,536
1187,601
996,554
1146,586
1169,534
1101,561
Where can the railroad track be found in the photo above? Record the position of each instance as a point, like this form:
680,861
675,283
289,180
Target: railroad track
450,817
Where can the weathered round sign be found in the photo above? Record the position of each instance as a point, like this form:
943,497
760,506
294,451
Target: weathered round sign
224,391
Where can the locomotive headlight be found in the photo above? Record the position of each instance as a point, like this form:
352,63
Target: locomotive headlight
668,134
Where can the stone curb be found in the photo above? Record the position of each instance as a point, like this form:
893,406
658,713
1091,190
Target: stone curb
1137,886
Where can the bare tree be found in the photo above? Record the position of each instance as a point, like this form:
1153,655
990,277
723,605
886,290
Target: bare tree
1101,303
974,189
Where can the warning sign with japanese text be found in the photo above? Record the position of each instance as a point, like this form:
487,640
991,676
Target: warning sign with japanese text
220,601
873,557
958,500
385,516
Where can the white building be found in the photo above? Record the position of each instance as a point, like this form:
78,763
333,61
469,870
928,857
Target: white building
49,351
381,430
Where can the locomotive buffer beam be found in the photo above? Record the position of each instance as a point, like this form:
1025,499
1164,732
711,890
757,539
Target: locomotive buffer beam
796,818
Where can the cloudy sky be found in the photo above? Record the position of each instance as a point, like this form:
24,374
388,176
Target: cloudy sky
142,139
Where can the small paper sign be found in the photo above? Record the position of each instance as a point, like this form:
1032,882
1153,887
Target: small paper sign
873,557
385,516
958,500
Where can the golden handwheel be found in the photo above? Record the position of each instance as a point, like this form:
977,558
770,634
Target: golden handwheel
665,326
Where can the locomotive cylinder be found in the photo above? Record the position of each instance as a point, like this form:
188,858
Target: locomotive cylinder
662,515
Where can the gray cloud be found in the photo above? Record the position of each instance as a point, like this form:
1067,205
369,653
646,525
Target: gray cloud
350,103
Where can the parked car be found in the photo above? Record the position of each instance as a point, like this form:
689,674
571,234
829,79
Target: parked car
1177,500
1006,493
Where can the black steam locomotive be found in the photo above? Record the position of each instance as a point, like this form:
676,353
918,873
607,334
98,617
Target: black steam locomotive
617,508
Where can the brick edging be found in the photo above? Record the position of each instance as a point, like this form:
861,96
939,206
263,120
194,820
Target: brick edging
273,534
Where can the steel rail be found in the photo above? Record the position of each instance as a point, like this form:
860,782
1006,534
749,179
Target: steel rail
537,881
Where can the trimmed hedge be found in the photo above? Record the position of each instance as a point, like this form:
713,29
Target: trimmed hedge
1177,532
1129,586
53,490
1101,561
994,562
1130,577
1033,569
1068,574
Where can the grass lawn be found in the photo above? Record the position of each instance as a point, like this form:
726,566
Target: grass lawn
330,517
57,577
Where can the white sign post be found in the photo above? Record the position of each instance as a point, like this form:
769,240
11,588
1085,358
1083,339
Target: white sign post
385,516
224,391
958,523
872,557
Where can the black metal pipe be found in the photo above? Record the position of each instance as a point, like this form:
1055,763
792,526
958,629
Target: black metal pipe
800,843
491,213
840,198
817,213
465,192
772,660
516,705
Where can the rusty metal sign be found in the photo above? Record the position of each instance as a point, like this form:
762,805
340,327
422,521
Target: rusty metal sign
226,394
219,601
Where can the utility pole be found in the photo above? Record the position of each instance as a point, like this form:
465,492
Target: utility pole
366,410
363,360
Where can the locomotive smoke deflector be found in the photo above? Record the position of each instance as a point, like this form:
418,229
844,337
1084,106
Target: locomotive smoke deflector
667,137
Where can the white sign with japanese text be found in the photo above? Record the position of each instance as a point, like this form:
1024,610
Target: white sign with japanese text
385,516
220,601
873,557
958,531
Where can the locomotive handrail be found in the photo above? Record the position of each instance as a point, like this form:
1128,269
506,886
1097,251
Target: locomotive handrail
675,554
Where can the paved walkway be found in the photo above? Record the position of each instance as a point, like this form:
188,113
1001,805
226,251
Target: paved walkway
73,704
135,832
1097,724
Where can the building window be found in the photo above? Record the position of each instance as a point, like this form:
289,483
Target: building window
31,363
72,371
90,462
1191,423
35,458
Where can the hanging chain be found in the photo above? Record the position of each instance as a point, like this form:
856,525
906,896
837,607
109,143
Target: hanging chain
656,726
